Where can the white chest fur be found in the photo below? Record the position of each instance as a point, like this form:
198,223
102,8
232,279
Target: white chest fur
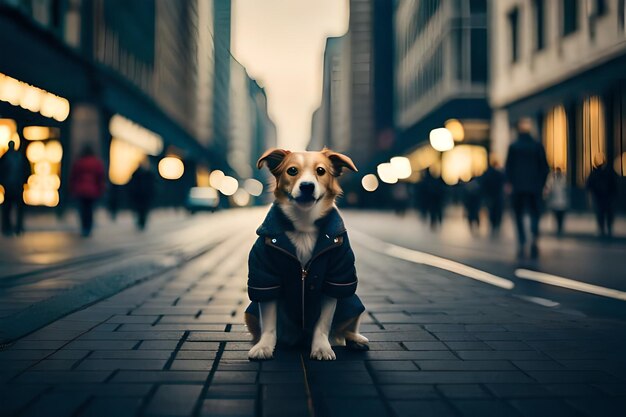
304,243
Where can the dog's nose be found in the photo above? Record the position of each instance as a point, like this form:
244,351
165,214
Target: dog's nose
307,187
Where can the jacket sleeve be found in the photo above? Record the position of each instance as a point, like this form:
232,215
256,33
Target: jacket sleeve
341,279
263,278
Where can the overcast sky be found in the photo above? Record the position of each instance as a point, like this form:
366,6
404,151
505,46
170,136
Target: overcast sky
281,44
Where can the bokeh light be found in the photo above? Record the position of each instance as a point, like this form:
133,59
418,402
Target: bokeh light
54,151
370,182
215,178
387,173
171,168
254,187
441,139
241,198
456,129
401,166
228,185
35,152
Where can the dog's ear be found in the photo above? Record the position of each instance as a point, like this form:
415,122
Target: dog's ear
273,158
339,161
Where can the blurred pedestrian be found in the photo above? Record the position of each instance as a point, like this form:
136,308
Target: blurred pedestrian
602,184
558,198
14,173
419,193
141,187
471,201
433,194
492,186
113,202
400,196
87,184
526,170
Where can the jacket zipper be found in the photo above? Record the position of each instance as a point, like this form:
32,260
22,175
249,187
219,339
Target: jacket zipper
305,268
304,274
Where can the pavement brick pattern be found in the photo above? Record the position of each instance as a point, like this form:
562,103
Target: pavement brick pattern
441,345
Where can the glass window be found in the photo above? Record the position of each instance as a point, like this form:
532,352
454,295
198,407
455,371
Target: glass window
555,138
592,143
478,55
539,10
514,31
478,6
600,6
570,16
619,148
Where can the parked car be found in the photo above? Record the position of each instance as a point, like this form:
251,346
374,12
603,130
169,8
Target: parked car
201,199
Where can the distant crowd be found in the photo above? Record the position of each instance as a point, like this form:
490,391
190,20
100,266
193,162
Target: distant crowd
87,183
530,185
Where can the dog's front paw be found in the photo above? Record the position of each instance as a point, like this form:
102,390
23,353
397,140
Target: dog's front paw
261,351
321,351
356,341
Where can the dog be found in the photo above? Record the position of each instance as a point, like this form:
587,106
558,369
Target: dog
302,279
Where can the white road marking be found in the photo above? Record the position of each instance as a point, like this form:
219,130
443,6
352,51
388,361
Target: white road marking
538,300
570,284
432,260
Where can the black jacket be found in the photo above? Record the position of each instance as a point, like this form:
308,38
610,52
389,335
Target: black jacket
275,273
526,165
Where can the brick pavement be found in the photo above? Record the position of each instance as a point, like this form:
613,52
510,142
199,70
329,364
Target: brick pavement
441,345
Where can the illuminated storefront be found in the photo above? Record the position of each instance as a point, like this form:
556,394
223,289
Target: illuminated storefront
34,99
44,152
30,104
8,132
591,144
555,138
130,145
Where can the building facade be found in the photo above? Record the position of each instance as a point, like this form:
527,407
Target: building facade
562,63
331,122
134,79
356,110
441,76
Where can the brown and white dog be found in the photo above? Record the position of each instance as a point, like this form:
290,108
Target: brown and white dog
306,189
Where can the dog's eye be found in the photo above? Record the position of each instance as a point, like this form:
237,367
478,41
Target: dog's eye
320,171
293,171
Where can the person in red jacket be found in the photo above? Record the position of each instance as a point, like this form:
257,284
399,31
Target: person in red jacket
87,184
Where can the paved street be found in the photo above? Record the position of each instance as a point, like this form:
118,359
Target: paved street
171,342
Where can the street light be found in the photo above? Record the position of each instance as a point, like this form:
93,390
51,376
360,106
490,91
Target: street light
441,139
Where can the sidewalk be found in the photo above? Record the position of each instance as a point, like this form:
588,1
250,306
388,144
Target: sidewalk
48,274
441,345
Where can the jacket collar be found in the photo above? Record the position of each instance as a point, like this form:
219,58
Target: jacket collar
277,223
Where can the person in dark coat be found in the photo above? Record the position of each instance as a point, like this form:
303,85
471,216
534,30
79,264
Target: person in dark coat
433,194
14,173
87,184
602,184
275,273
471,201
142,187
492,188
527,170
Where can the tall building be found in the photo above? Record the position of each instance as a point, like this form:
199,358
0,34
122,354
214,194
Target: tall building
441,67
331,122
562,63
222,83
356,111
